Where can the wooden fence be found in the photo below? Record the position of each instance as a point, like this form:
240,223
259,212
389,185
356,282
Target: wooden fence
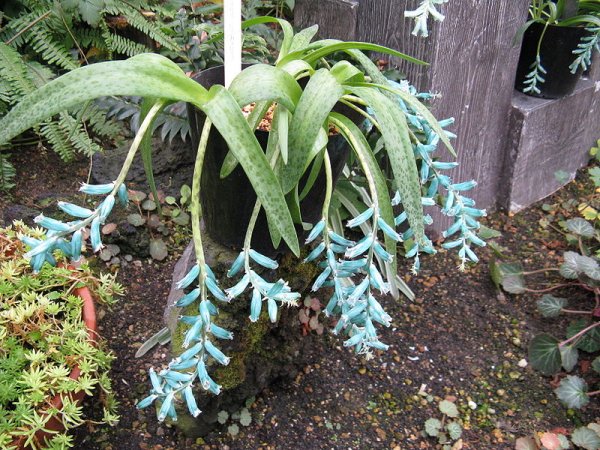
510,143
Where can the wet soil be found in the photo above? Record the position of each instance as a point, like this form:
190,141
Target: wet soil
459,339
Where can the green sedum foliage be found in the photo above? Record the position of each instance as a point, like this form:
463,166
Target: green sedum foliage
42,339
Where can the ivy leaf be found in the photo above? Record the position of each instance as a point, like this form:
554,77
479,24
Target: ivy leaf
580,227
158,249
448,408
586,438
572,391
569,356
569,268
433,427
544,354
551,306
590,342
454,430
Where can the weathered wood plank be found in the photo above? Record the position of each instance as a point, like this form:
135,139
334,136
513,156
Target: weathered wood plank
336,18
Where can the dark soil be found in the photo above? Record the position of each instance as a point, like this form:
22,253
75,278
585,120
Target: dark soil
460,339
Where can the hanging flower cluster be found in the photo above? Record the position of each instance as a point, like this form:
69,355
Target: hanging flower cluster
421,16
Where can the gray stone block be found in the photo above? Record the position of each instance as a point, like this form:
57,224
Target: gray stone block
548,136
336,18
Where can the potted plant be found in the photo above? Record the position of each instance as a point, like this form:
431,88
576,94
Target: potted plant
558,42
409,136
50,355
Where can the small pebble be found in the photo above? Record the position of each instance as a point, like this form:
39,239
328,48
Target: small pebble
522,364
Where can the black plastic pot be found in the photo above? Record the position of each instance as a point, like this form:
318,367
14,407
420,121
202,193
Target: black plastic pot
556,53
227,203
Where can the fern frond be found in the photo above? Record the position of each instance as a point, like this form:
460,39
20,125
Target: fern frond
98,121
137,20
7,173
77,136
123,46
51,51
58,139
15,73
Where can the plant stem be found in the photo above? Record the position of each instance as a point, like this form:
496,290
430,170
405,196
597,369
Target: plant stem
541,291
30,25
578,335
532,272
572,311
195,209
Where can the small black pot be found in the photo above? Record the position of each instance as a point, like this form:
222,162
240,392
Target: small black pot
227,203
556,53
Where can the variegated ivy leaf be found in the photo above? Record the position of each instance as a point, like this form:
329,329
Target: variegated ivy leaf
569,268
589,266
569,356
586,438
551,306
544,354
580,227
572,391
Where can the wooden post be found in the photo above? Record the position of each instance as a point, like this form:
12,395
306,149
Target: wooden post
232,29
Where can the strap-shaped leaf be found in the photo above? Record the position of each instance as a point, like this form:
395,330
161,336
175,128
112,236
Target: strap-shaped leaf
257,114
320,49
320,95
262,82
394,131
146,149
303,38
224,112
365,154
343,71
286,27
419,107
144,75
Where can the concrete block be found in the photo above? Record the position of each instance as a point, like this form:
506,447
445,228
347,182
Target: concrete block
548,137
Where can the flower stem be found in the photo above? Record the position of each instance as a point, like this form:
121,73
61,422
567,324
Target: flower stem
578,335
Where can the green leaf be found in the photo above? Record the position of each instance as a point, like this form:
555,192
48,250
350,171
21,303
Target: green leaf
454,430
146,146
143,76
233,430
303,38
418,107
136,220
222,417
486,233
448,408
320,95
569,356
596,364
581,227
170,200
286,27
590,342
360,146
227,117
158,249
544,354
261,82
90,11
586,438
589,266
282,123
245,417
394,130
343,71
569,269
433,427
550,306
